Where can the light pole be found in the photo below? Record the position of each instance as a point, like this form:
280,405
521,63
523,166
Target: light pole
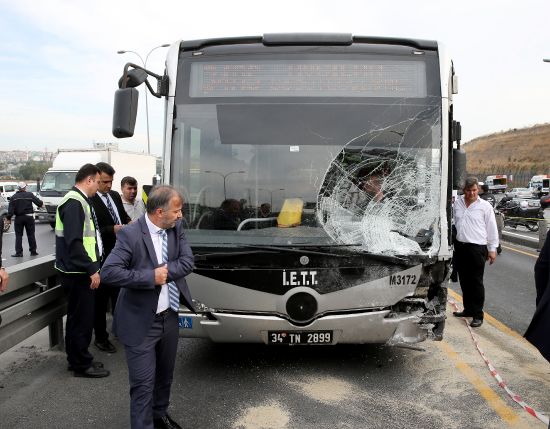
146,104
546,60
224,177
271,194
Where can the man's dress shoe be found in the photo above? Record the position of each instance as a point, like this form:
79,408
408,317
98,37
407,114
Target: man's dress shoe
165,422
476,323
92,372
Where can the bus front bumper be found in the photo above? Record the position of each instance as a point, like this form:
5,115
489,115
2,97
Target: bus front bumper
378,327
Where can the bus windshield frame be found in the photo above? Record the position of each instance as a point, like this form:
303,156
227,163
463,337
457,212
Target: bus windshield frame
359,172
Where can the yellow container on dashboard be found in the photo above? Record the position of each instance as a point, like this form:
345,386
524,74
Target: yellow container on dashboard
291,213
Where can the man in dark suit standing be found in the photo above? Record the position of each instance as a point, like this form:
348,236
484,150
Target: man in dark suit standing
149,263
111,216
537,332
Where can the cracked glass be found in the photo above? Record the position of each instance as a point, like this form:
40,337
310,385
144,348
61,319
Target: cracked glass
359,172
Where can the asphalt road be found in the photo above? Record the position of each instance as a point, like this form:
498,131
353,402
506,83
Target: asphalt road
256,386
45,244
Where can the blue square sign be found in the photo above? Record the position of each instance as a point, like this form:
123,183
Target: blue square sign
185,322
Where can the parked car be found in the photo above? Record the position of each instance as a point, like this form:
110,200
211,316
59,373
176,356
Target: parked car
7,189
3,212
545,201
520,193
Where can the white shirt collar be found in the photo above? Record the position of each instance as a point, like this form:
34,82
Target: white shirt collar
153,229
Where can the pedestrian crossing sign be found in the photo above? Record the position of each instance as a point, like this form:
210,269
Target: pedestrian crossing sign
185,322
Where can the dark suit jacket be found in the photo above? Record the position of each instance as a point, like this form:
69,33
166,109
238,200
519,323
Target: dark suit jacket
537,332
131,265
105,220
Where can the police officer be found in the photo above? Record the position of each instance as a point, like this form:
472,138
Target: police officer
21,206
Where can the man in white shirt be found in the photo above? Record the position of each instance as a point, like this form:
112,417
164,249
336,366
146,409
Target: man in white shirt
476,243
134,207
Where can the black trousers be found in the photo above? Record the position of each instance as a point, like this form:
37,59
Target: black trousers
103,294
80,320
470,262
27,223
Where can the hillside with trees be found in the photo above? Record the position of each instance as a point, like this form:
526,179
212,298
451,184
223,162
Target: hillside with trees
519,152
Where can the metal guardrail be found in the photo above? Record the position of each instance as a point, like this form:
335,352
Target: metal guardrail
34,300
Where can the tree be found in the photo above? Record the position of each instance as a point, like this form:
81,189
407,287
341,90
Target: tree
33,170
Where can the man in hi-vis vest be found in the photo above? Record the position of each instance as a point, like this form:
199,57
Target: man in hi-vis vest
78,256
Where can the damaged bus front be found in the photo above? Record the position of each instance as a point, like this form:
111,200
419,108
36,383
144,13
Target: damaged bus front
316,175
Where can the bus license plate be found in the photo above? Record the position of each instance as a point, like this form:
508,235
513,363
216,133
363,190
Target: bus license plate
299,337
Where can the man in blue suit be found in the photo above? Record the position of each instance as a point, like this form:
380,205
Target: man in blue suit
149,263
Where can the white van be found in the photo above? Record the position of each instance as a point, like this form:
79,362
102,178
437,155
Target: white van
7,189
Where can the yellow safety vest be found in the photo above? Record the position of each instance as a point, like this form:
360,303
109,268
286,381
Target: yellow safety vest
88,229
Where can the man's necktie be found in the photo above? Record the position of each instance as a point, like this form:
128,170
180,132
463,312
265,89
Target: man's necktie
111,209
173,290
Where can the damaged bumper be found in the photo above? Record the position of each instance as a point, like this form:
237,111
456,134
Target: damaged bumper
380,327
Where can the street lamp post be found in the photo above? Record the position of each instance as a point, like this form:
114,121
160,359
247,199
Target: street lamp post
224,176
146,103
546,60
271,194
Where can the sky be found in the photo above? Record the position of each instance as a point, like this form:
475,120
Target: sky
59,65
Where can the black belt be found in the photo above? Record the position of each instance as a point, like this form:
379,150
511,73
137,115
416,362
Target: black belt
470,244
162,313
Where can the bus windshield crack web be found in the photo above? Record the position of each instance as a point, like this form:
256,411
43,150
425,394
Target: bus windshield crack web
382,189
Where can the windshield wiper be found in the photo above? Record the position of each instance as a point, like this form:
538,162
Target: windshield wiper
205,256
293,249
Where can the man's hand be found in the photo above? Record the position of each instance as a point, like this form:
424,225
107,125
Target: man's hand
95,281
161,275
117,228
491,257
4,278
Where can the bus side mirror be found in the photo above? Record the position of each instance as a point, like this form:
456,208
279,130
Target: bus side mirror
459,168
125,112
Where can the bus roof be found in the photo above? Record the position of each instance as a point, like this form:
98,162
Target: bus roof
310,39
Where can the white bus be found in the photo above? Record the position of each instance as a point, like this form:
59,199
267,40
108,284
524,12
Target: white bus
273,141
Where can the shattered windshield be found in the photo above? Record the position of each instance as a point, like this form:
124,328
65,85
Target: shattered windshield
361,173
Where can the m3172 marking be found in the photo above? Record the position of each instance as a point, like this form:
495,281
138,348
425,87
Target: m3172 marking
403,279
